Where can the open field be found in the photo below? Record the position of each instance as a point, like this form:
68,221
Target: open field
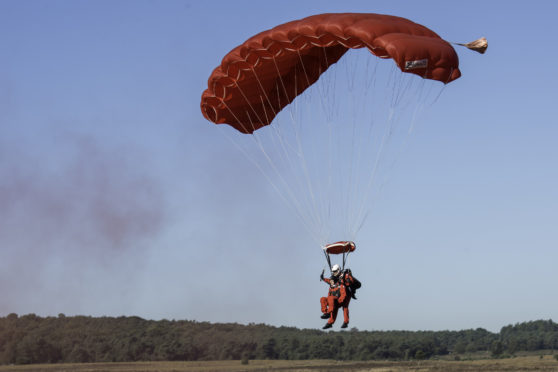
525,363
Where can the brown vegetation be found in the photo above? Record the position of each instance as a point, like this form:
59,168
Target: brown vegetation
524,363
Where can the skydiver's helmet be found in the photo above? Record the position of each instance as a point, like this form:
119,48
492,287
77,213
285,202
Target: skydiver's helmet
335,270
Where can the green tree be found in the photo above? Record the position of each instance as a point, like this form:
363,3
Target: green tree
269,349
460,347
512,346
496,349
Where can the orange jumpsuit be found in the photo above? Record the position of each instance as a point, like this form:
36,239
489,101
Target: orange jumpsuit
335,297
346,280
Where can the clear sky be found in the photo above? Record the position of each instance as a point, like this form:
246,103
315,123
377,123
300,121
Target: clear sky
118,198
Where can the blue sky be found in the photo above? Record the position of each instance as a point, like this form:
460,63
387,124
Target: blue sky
118,198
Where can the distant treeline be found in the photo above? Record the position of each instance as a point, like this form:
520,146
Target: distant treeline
33,339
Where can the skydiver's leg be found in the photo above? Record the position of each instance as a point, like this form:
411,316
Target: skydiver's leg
346,314
333,308
346,310
323,303
325,310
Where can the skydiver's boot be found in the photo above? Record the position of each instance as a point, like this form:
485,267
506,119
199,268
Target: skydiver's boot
344,325
328,325
325,316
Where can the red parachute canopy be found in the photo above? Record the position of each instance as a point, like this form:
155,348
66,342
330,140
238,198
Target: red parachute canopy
258,78
340,247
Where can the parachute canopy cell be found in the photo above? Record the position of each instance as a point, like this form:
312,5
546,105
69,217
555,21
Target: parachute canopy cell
258,78
340,247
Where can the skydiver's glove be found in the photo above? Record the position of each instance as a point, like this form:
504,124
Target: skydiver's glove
322,275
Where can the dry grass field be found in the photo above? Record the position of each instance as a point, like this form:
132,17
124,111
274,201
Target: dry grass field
524,363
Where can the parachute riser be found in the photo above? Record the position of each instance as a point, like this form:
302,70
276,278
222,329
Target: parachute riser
345,260
343,248
328,261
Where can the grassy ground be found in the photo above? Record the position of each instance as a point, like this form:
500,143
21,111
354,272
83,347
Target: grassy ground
524,363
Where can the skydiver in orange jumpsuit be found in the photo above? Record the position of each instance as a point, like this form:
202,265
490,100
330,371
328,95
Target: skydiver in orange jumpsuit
337,295
350,284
